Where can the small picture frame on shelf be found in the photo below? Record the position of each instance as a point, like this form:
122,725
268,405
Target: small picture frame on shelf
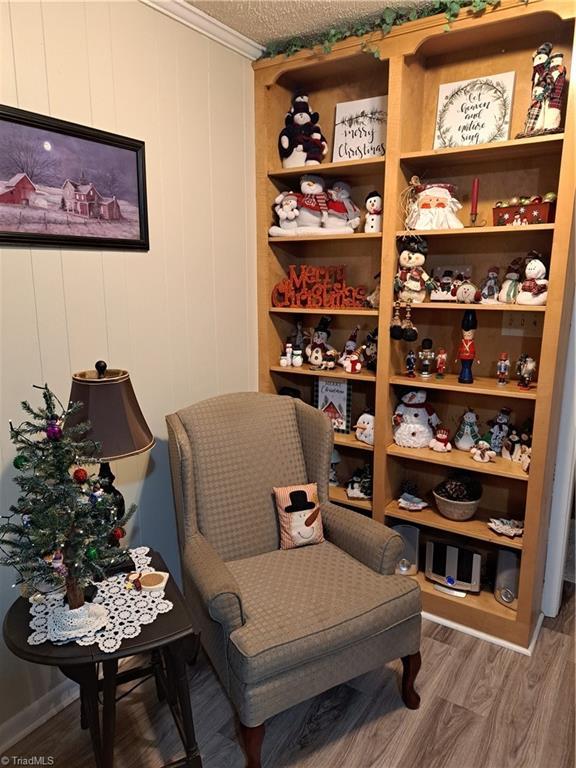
360,129
334,398
475,111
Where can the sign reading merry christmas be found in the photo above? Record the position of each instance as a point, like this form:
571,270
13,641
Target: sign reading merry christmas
321,287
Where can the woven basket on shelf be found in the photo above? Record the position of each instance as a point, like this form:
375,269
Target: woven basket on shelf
456,510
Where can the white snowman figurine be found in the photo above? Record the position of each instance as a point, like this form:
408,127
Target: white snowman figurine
343,213
373,219
467,435
414,421
313,205
286,209
534,288
365,428
511,283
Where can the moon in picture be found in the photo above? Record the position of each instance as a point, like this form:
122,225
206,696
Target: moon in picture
47,146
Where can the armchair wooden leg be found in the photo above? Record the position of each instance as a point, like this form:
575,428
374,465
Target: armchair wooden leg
252,739
411,665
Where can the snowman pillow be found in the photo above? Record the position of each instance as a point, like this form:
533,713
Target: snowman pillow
299,515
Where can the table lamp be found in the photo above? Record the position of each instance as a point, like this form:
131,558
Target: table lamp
116,421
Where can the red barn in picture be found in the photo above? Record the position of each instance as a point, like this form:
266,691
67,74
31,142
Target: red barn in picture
85,200
17,190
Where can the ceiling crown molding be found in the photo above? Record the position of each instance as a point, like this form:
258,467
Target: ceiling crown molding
209,27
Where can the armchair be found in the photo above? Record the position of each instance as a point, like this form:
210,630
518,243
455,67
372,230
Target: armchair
281,626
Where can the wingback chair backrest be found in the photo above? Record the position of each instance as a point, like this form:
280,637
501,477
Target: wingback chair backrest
242,445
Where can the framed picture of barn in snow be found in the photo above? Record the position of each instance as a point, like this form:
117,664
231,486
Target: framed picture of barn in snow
64,185
333,397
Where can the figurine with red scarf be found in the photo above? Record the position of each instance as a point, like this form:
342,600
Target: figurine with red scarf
467,350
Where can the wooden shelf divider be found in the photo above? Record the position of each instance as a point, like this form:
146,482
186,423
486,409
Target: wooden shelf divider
338,496
460,460
483,385
346,169
323,311
475,528
475,231
335,373
443,305
349,441
329,238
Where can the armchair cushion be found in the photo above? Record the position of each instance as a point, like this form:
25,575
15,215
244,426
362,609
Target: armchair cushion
370,542
308,603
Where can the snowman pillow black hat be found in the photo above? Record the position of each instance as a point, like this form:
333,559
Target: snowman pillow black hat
299,515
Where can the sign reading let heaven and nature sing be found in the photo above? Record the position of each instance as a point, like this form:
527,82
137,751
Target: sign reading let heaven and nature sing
474,111
360,129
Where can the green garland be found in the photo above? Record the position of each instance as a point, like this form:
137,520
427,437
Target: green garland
390,17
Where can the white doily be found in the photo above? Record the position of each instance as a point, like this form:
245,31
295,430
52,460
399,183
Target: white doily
128,610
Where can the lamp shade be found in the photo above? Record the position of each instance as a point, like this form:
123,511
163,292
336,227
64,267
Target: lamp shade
110,405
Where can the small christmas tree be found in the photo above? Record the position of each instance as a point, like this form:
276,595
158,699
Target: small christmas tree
64,528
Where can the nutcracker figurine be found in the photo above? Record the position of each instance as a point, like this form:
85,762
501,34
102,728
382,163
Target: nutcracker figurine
503,368
441,358
525,370
426,356
410,363
467,350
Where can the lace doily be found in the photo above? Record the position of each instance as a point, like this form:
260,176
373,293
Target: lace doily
127,610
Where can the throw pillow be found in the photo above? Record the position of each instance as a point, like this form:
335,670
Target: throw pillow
299,515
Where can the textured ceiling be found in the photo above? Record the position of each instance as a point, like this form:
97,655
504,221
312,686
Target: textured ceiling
268,20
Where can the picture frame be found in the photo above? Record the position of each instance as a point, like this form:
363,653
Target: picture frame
360,129
475,111
65,185
334,398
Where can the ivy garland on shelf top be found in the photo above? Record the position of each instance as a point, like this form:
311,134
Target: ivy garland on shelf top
390,17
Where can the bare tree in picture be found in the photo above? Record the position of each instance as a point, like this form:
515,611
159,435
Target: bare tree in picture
20,155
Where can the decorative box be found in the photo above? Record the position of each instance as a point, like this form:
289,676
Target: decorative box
530,213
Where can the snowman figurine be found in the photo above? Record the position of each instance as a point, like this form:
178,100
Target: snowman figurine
441,441
365,428
499,429
414,421
286,209
349,346
534,289
467,435
343,213
490,287
373,219
511,283
319,352
412,281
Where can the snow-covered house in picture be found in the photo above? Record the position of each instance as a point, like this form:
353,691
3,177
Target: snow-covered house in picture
85,200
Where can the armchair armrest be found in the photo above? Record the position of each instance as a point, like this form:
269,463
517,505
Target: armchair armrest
215,583
372,543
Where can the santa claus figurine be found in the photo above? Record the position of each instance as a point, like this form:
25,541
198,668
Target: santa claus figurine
467,350
433,206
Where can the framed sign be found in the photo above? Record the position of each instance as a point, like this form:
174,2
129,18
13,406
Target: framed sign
333,397
360,129
474,111
64,185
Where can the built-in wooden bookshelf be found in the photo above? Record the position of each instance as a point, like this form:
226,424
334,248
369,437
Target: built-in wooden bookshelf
414,60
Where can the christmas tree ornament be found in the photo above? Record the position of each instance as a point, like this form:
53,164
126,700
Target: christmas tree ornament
502,368
20,462
467,434
91,553
414,420
80,475
467,350
409,330
396,324
118,533
53,430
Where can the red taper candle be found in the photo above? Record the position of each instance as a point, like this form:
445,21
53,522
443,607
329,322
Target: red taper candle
474,197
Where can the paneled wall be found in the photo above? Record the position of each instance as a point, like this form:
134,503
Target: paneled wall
181,318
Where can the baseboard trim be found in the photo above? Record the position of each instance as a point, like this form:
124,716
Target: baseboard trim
201,22
489,638
36,714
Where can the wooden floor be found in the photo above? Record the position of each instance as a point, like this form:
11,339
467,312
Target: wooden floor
482,707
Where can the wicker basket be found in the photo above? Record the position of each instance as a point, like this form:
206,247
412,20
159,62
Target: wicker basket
456,510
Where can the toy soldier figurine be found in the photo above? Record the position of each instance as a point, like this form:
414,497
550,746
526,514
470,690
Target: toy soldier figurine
426,356
410,363
525,370
467,350
441,357
503,368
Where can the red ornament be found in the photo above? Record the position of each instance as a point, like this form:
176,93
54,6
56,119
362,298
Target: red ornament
80,475
118,533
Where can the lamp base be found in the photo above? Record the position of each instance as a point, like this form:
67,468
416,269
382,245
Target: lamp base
106,478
